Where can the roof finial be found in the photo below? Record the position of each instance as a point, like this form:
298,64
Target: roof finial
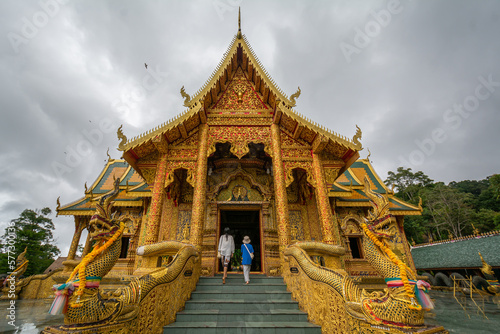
239,23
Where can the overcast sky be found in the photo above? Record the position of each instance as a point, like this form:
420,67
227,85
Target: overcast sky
420,78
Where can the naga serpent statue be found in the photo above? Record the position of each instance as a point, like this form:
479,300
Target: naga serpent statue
13,284
401,305
85,306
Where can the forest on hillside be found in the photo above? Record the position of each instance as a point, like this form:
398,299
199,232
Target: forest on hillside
451,210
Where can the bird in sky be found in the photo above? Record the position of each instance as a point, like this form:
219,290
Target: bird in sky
146,66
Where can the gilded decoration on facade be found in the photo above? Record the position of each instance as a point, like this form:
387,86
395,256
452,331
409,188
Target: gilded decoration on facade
172,166
296,154
289,166
183,154
331,174
238,190
239,137
255,182
289,142
296,226
183,225
282,218
239,95
200,189
153,225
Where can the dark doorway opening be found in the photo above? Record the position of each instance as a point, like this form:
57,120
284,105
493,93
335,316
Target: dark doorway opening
355,245
242,223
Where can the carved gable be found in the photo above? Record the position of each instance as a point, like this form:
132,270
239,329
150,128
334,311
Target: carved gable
239,95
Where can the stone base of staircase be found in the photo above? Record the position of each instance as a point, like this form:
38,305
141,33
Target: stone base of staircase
263,306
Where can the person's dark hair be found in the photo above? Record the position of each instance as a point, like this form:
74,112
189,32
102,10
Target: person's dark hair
226,231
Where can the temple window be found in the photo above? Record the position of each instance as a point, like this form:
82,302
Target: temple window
124,250
355,245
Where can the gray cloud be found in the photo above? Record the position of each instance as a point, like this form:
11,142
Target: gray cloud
87,59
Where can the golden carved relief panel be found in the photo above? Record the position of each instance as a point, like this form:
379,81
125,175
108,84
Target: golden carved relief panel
239,137
240,94
239,190
183,154
296,154
336,149
289,166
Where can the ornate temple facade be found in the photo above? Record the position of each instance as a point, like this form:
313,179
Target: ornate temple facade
241,157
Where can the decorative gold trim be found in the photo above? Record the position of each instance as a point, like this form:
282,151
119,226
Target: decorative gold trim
160,129
186,97
311,125
294,96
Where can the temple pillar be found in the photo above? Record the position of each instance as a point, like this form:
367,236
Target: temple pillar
329,231
86,248
280,190
153,225
76,238
200,188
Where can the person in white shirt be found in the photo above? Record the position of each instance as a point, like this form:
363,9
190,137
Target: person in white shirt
226,250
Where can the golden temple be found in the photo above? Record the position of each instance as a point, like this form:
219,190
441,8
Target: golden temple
240,157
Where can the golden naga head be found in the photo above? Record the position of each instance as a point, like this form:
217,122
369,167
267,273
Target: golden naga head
21,258
102,224
379,221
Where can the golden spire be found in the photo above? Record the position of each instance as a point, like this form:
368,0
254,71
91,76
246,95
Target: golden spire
239,23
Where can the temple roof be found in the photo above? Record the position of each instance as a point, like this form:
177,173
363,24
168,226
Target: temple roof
239,57
349,189
132,189
459,253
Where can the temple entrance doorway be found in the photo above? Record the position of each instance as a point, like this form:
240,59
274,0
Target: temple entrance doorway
242,223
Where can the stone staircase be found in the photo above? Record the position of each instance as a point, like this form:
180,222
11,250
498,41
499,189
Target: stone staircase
263,306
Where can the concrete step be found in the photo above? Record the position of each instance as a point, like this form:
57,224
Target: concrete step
263,306
240,287
232,327
240,279
243,295
238,315
240,304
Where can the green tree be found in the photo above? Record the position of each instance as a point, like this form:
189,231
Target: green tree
407,183
495,185
486,220
33,229
450,210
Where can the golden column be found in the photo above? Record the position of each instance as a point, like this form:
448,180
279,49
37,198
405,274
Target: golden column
200,189
79,225
280,190
86,249
328,228
153,225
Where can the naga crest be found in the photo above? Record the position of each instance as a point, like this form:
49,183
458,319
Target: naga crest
186,97
122,137
295,96
22,257
379,221
102,224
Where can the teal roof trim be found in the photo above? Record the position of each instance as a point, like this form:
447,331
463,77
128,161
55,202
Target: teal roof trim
75,207
337,189
350,178
127,177
458,254
379,187
97,189
400,206
143,188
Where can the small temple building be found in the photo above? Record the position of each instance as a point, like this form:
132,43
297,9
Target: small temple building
240,156
466,255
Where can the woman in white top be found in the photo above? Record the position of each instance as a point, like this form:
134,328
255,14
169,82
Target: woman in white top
226,250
